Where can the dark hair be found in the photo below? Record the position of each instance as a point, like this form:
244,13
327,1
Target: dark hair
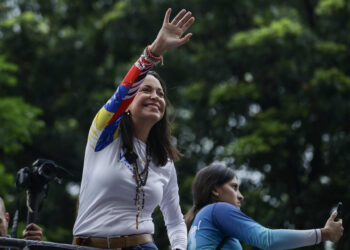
159,139
206,179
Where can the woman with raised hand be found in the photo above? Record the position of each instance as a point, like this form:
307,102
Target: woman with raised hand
129,160
216,221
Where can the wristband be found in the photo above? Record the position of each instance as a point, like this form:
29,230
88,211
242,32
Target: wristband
151,58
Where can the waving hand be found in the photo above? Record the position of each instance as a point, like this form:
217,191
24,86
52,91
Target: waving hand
171,35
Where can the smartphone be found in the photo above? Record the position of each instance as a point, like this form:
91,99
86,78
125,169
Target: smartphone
339,211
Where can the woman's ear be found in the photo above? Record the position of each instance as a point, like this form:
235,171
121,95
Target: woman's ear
215,193
7,217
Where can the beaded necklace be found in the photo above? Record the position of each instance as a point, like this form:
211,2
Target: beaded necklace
141,180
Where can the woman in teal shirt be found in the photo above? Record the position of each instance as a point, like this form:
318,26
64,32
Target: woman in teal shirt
216,222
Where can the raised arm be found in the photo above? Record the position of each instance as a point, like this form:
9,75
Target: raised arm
104,128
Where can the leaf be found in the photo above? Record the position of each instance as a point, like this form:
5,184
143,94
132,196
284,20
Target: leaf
276,30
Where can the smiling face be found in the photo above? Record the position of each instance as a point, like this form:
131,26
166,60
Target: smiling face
149,103
229,192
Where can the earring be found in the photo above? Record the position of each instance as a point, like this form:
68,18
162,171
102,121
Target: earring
216,196
215,193
128,113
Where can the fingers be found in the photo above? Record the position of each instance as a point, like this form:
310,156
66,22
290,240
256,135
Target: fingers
188,24
171,35
184,19
32,226
178,17
185,39
167,16
338,234
33,237
334,228
33,232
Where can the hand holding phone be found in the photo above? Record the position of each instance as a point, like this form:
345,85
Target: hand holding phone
333,229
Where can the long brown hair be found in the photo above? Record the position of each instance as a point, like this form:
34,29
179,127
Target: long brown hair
159,139
205,181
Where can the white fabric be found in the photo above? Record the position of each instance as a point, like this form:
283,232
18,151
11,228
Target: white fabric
319,236
107,206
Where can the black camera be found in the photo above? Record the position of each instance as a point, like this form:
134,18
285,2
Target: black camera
35,180
42,172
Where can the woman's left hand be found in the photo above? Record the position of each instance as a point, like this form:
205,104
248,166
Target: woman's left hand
171,33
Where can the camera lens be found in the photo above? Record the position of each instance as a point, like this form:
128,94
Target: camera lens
47,171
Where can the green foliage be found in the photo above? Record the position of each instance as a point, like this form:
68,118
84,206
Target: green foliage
263,86
267,135
331,79
327,7
26,17
58,233
6,73
118,11
18,123
331,47
194,91
6,181
231,91
245,146
276,30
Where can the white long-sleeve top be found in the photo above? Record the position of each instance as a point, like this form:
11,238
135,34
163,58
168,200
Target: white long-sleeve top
108,189
106,203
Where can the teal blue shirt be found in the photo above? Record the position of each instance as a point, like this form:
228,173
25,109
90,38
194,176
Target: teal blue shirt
219,220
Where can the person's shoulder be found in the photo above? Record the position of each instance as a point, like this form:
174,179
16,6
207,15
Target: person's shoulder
204,212
220,205
166,170
225,207
170,164
226,210
207,209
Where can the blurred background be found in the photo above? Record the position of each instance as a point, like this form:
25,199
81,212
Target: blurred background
263,86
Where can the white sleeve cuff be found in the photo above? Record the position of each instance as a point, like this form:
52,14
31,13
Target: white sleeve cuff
318,236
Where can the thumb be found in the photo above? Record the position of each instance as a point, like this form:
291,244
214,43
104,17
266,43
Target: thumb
185,39
333,216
